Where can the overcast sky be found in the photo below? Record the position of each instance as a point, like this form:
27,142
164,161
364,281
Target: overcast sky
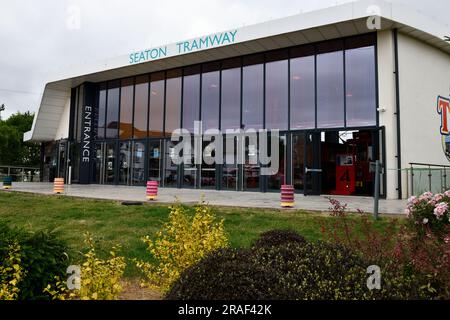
38,37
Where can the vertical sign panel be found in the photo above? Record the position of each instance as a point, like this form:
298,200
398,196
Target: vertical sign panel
87,132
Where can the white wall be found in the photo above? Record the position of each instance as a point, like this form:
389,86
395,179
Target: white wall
424,75
387,94
63,129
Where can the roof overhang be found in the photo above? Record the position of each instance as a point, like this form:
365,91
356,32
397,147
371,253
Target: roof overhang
331,23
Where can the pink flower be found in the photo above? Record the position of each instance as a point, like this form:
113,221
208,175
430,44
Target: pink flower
426,196
432,202
408,212
447,193
438,197
440,209
425,221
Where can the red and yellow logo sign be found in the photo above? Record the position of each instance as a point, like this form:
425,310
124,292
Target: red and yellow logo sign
443,109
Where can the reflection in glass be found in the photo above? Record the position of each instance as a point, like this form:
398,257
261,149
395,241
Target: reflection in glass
154,160
173,101
230,167
360,86
253,97
298,161
110,162
330,90
124,162
277,95
126,109
138,167
278,179
303,113
112,116
191,98
140,107
210,100
251,170
231,99
208,171
101,112
170,169
156,115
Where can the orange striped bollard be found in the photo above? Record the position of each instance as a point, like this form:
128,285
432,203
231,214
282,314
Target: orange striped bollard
58,186
287,196
152,190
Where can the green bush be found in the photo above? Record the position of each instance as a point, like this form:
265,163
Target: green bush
277,238
292,271
43,256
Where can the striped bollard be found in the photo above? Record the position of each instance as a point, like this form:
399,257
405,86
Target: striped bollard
152,190
58,186
287,196
7,182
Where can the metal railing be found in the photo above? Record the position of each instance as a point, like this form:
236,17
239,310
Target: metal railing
429,177
20,174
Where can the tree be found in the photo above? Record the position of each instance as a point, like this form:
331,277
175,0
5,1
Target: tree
13,151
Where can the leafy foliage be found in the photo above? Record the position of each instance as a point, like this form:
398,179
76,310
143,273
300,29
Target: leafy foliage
13,151
182,242
11,273
42,254
415,258
100,278
277,238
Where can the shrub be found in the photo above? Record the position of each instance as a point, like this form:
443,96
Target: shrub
43,256
413,260
225,274
182,242
100,278
277,238
429,213
291,271
11,273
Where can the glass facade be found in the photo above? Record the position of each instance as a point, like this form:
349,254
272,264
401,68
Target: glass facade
325,86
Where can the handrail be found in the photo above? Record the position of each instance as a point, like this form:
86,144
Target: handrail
429,165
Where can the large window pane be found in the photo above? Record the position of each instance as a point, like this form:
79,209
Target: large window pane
112,116
330,90
173,101
126,109
277,95
191,98
231,98
253,96
156,115
361,88
302,93
140,107
101,112
210,100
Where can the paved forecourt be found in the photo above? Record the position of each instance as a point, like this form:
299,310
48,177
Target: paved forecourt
217,198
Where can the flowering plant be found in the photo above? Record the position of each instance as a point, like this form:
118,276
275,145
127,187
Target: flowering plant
429,214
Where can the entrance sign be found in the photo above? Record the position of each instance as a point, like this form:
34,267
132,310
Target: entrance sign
87,134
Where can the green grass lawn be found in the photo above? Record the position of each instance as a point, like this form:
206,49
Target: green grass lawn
112,223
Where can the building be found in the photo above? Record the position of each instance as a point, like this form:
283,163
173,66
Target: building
346,86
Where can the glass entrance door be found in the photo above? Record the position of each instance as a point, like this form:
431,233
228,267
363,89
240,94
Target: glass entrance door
124,162
138,164
105,162
306,166
154,160
110,163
